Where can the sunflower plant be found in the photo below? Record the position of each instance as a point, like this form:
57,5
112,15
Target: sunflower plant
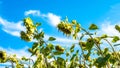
89,52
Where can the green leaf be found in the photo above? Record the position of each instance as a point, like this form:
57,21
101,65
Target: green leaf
51,39
97,40
74,21
25,36
93,27
35,45
41,34
24,58
59,48
117,27
61,62
37,24
77,29
107,57
72,50
72,47
50,46
87,56
116,44
112,60
50,56
74,35
89,44
105,51
100,61
38,36
35,51
46,51
58,53
73,57
59,59
104,36
77,52
67,54
83,45
115,39
81,36
30,50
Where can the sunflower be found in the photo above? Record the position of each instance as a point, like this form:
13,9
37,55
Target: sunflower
65,28
28,21
3,56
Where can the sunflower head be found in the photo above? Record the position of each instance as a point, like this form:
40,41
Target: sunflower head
28,22
65,28
3,56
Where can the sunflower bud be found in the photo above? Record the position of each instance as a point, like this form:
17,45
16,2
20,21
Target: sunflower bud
59,48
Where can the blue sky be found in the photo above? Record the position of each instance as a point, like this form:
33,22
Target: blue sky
104,13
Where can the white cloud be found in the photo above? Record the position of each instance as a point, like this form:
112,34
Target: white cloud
12,27
51,18
32,12
108,28
14,33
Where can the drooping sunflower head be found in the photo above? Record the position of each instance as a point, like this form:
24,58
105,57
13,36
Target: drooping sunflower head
65,28
3,56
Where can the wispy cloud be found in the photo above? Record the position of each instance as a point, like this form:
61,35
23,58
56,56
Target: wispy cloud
51,18
12,27
32,12
108,28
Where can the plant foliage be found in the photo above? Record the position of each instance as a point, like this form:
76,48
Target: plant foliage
90,54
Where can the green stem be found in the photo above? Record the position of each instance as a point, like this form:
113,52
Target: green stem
82,55
45,59
29,64
12,64
97,45
94,41
110,45
112,48
52,54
